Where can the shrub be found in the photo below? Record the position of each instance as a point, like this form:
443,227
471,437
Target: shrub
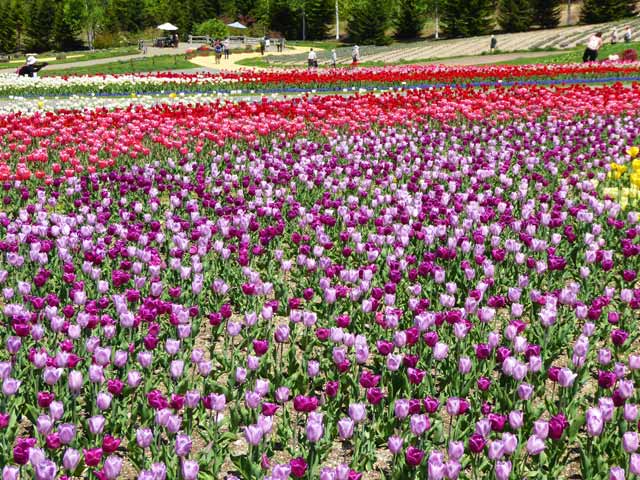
214,28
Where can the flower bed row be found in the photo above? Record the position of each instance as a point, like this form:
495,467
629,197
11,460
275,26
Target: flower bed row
306,79
45,145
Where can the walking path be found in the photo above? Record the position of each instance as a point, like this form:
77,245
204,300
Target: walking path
231,64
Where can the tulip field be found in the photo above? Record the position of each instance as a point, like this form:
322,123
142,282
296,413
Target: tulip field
397,283
307,80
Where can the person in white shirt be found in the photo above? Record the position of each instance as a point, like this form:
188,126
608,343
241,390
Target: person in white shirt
334,58
627,34
593,45
312,58
614,36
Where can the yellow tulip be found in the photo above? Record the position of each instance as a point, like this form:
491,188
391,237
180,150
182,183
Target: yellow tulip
633,151
635,165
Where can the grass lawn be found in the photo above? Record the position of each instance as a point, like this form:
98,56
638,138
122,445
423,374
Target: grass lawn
73,57
318,44
575,55
137,65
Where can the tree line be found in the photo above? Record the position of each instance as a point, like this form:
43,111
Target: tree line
62,25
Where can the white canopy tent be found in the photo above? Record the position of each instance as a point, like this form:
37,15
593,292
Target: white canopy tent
167,27
236,25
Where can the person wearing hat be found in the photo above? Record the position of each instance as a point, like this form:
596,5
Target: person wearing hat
355,54
31,67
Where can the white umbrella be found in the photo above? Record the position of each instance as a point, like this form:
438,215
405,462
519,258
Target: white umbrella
167,26
236,25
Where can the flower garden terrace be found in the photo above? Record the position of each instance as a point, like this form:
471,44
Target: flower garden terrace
69,142
293,80
422,284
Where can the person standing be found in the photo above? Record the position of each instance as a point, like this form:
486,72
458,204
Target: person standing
334,58
593,45
226,48
627,34
281,44
263,44
355,54
493,44
218,51
311,59
614,36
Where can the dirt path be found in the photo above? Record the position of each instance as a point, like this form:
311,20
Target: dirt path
231,63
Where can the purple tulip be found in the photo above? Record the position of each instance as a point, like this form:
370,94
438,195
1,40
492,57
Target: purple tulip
503,470
634,464
190,469
71,459
46,470
535,445
253,434
144,437
414,456
182,445
616,473
112,467
345,428
566,377
96,424
419,424
630,442
476,443
394,443
595,421
10,472
10,386
357,412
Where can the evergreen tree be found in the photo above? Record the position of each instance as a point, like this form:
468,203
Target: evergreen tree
546,13
410,18
243,7
125,15
622,8
65,26
284,18
514,15
368,22
19,12
318,13
40,25
7,27
466,18
598,11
